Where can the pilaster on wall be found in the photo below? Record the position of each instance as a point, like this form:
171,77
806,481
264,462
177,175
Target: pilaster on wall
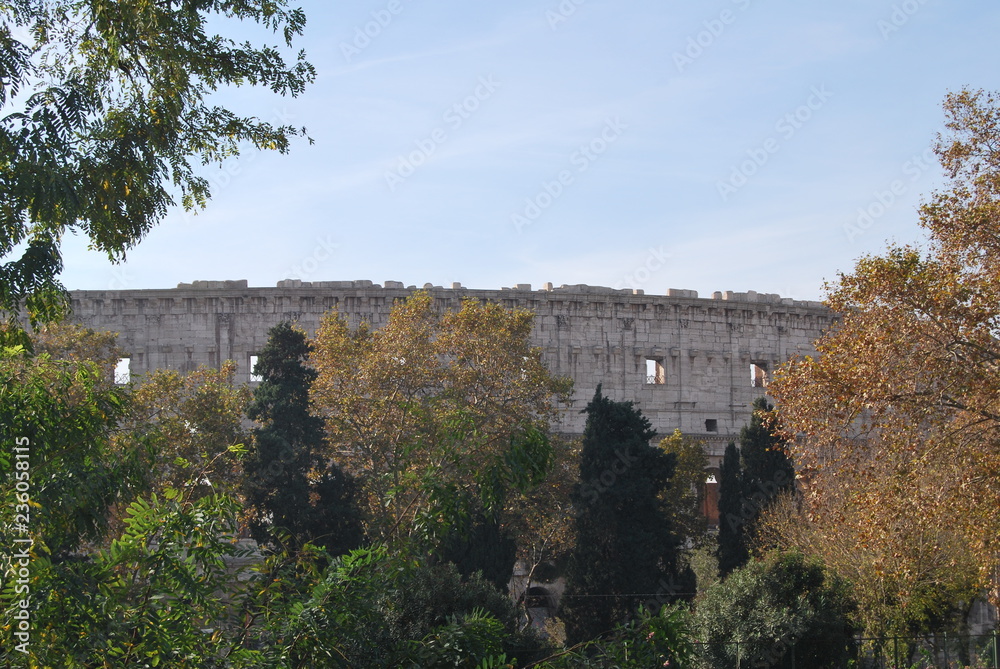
686,361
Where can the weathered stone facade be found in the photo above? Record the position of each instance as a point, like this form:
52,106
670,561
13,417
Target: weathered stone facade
686,361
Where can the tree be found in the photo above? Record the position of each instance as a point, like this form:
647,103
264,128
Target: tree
686,493
115,574
916,578
900,413
72,342
68,472
733,552
626,548
767,469
483,547
106,113
544,517
169,585
376,608
781,611
440,416
288,484
193,423
663,639
427,596
155,596
751,479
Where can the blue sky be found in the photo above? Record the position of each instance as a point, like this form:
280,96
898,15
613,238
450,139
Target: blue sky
725,145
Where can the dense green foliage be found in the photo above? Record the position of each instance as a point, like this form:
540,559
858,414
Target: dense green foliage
626,549
771,609
649,640
484,547
432,596
767,469
106,115
63,415
370,608
290,489
751,479
152,597
732,549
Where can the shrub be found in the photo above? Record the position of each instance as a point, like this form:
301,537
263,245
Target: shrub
775,607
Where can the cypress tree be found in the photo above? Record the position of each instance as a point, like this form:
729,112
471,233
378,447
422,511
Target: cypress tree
290,490
732,551
626,551
751,478
767,470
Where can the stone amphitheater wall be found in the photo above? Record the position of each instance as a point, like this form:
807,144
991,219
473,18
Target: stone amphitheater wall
688,362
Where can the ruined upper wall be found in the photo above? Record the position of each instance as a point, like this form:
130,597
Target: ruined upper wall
704,347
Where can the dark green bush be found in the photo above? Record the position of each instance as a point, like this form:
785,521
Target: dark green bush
775,607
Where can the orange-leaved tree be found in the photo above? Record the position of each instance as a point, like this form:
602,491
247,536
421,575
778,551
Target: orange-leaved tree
897,421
